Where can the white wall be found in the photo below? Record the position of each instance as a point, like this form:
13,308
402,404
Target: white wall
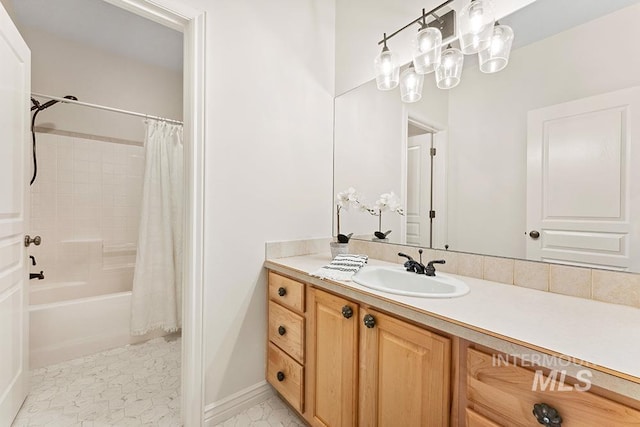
268,172
488,118
361,23
64,67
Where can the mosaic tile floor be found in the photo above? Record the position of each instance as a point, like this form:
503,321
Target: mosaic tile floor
127,386
270,413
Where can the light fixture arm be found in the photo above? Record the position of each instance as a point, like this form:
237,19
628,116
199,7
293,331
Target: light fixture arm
415,21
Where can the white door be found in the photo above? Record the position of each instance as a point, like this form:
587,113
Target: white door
583,181
418,189
15,66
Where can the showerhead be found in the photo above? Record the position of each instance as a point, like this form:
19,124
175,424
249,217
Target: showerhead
40,107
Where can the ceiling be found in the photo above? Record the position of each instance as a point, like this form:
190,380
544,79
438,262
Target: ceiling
104,26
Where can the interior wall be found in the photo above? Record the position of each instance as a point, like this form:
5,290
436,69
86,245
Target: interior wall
360,24
487,198
268,156
65,67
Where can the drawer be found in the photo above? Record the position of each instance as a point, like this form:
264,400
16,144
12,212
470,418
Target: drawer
286,376
286,291
476,420
505,394
286,330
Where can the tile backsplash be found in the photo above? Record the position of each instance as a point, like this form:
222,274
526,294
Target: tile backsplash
602,285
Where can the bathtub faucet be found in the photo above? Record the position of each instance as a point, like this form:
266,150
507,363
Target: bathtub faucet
39,276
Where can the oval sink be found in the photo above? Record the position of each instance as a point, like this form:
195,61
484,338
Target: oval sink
397,280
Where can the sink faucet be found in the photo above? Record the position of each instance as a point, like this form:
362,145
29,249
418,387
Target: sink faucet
418,267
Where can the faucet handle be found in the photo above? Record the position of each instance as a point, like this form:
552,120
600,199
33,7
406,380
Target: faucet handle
405,256
430,270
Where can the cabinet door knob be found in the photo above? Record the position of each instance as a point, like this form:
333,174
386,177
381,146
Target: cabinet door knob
369,321
347,312
534,234
282,291
280,376
547,415
282,330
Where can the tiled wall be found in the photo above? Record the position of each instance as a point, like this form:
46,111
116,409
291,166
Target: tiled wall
85,204
601,285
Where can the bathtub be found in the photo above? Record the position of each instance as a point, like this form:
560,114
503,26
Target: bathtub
65,330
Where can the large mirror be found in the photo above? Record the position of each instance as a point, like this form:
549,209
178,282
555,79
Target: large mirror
536,161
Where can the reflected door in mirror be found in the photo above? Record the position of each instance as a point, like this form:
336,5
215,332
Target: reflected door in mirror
580,178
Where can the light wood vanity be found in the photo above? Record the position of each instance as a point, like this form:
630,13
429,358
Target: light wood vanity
341,361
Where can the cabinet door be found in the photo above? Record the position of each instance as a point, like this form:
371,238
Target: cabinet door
404,374
332,363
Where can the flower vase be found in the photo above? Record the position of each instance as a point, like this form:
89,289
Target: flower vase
338,248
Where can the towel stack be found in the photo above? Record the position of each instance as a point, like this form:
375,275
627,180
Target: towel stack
342,267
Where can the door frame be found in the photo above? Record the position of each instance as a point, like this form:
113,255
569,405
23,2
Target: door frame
440,142
192,23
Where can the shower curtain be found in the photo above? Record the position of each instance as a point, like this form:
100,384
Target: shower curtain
157,282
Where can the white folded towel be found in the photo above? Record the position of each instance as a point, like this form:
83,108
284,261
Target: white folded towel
342,267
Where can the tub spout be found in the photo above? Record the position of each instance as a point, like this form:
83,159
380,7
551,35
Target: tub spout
38,276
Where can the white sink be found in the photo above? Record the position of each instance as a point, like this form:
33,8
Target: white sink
397,280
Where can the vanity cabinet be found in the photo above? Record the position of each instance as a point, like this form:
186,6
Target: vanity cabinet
332,364
393,374
286,333
504,394
404,373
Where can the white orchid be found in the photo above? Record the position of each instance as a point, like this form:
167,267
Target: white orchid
345,199
389,202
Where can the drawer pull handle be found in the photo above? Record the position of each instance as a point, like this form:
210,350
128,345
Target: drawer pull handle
280,376
369,321
347,312
282,291
547,415
282,330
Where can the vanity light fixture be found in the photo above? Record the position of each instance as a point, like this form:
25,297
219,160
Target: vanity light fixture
478,33
387,69
496,57
411,85
449,71
475,24
427,47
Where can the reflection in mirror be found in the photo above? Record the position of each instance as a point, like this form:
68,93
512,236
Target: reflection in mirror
543,147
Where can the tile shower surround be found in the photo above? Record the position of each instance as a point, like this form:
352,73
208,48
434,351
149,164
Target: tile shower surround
85,203
600,285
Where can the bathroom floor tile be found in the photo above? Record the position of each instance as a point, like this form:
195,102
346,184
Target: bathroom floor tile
133,385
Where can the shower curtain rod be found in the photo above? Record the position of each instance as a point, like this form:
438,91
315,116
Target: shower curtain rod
102,107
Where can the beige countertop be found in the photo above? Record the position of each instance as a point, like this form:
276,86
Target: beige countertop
603,337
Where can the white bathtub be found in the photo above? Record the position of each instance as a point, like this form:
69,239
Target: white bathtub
74,328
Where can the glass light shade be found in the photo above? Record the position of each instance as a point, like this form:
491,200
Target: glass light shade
427,50
449,71
496,57
475,26
387,70
411,85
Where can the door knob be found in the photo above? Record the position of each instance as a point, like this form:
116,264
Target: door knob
534,234
28,240
282,291
281,330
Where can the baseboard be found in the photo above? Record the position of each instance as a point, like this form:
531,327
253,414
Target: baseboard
220,411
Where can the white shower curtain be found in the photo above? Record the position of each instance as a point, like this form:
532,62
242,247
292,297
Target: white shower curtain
157,282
